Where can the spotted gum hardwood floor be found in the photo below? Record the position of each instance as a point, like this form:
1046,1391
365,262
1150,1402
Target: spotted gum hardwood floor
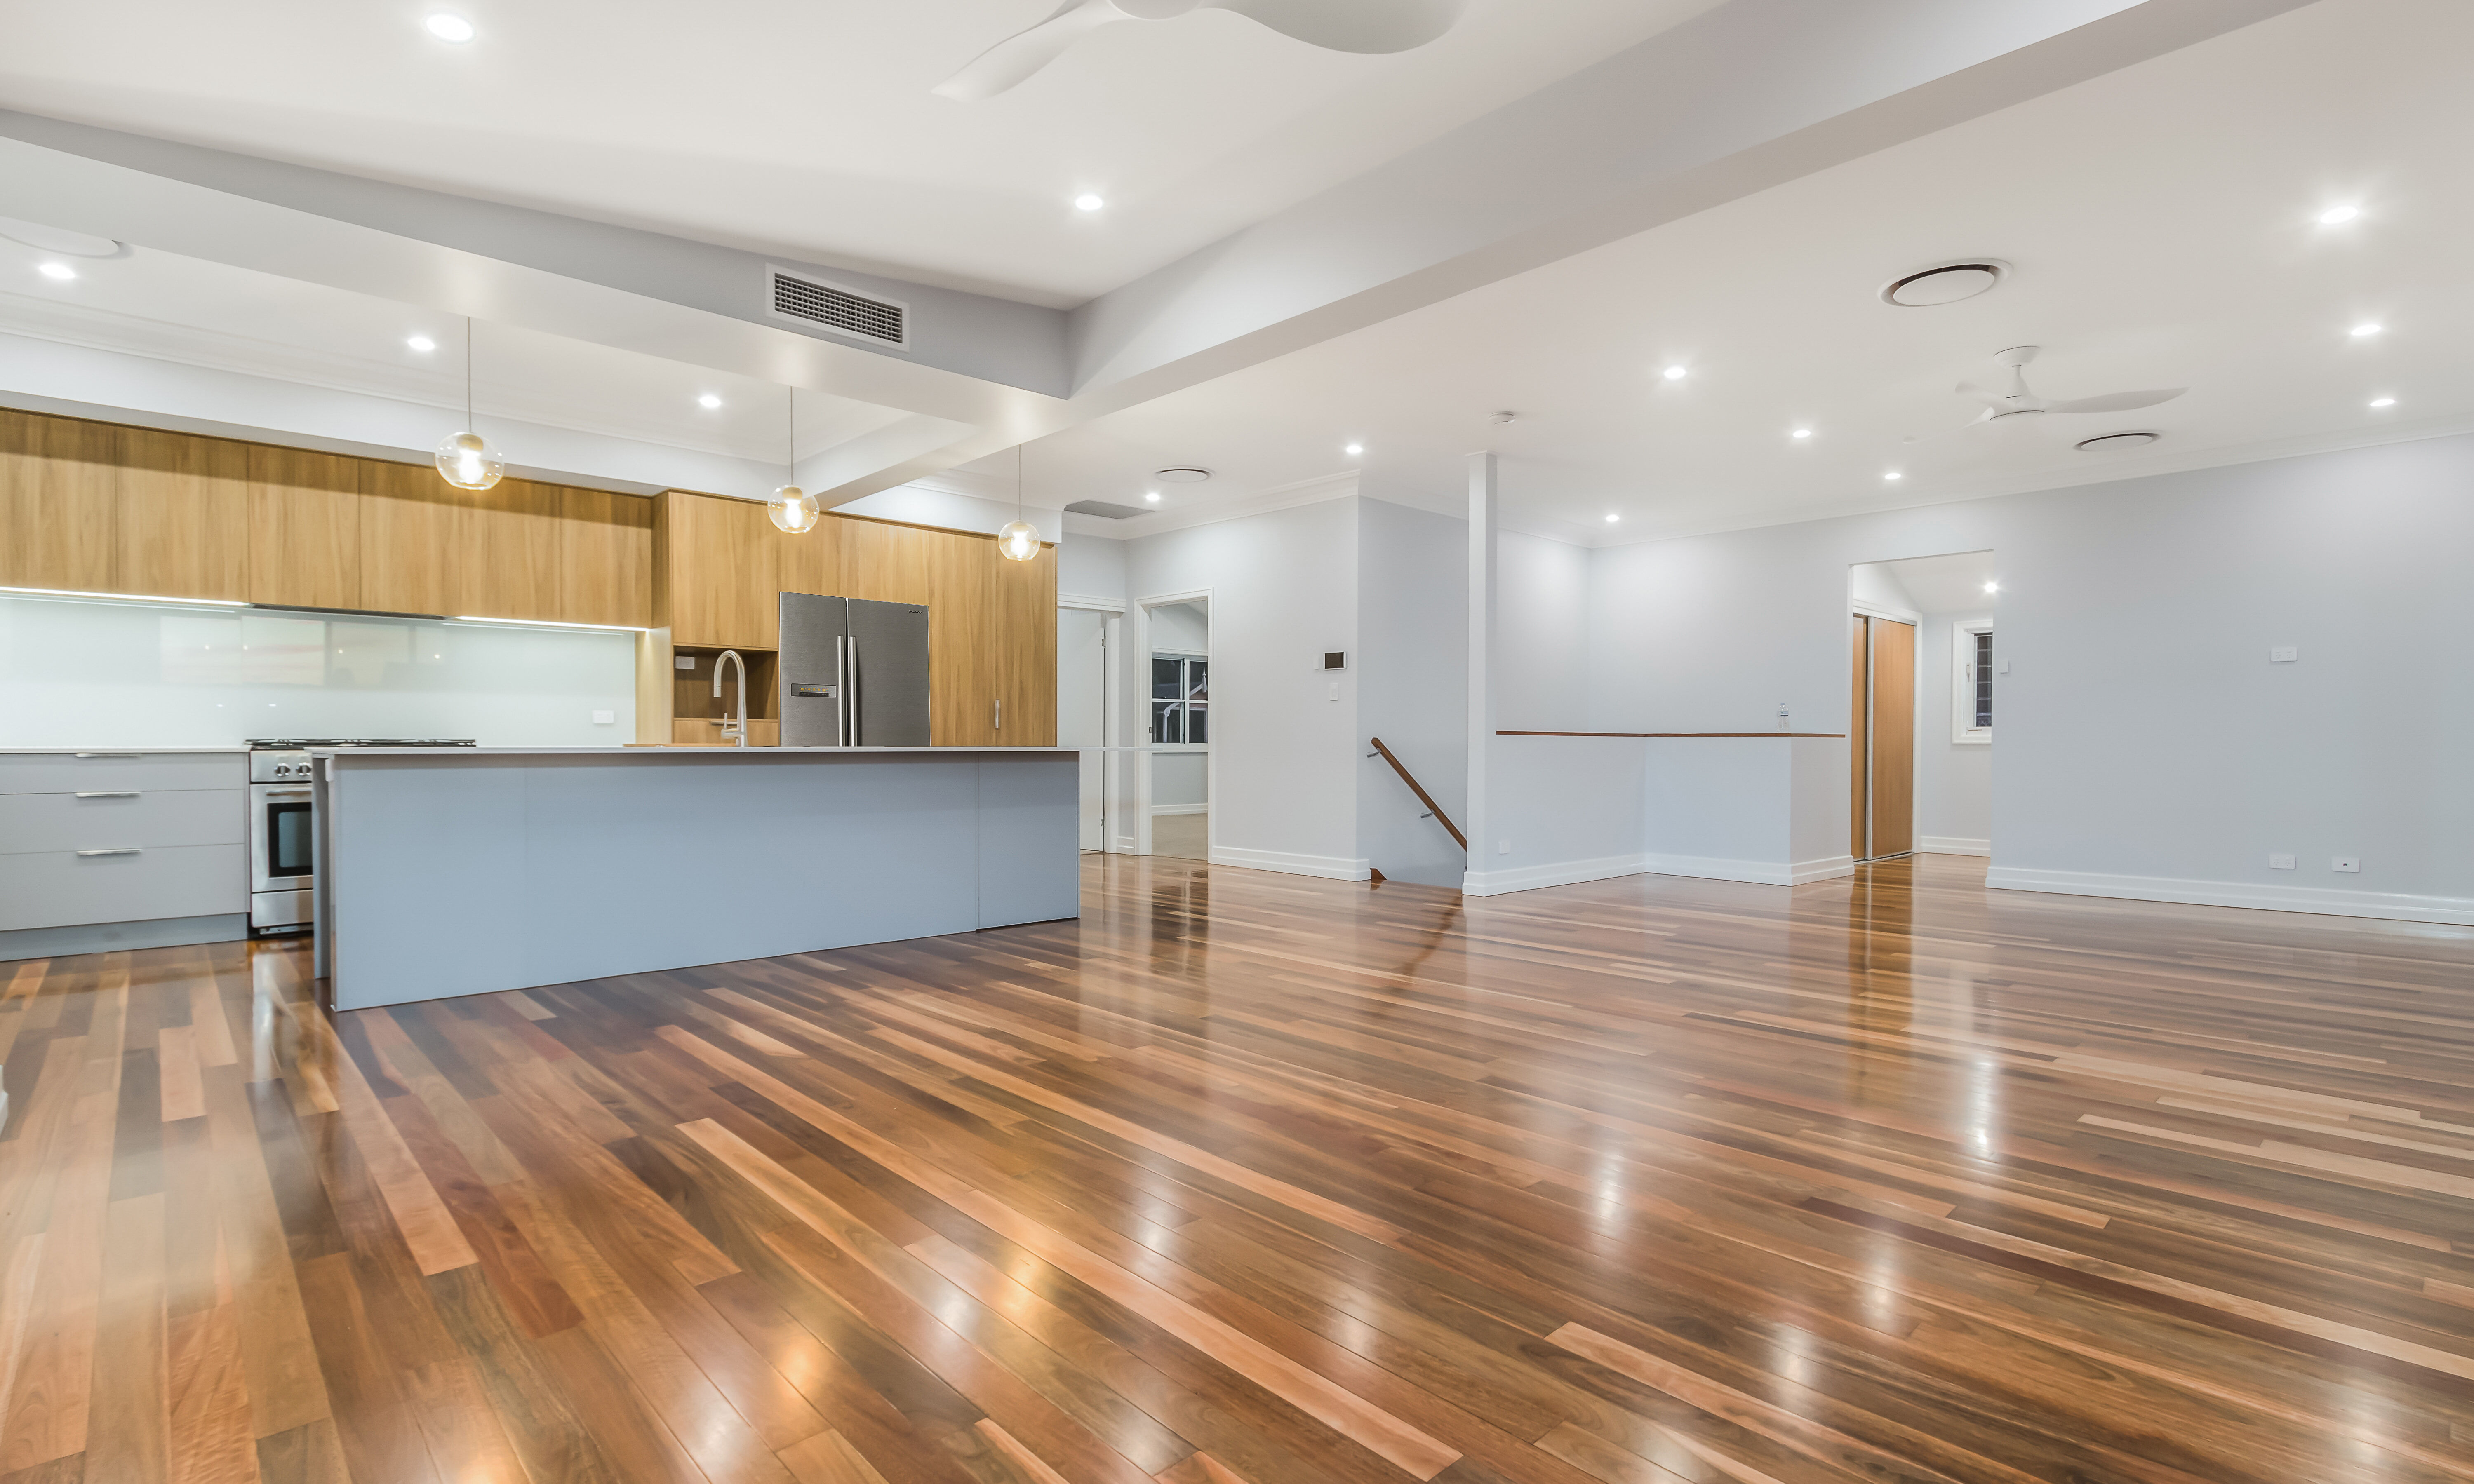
1250,1177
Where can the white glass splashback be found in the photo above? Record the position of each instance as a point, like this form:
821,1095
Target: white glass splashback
81,674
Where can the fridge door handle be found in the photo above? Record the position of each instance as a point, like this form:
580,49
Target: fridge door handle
857,717
842,694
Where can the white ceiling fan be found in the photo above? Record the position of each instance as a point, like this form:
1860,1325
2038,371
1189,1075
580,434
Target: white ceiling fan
2016,406
1365,26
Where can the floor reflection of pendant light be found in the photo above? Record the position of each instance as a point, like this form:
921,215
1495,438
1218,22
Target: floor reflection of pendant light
1019,541
464,461
793,509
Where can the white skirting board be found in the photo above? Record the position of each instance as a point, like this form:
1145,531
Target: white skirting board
2394,907
1530,879
1159,809
1331,868
1952,845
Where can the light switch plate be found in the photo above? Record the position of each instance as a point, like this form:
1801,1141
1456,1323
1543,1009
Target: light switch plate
1334,689
1503,848
2284,654
2002,667
605,718
2345,863
2280,863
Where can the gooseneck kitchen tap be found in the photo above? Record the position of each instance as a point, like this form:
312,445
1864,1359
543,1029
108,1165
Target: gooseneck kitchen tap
733,726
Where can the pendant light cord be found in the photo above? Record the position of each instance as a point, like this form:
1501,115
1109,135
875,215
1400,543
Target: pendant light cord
467,373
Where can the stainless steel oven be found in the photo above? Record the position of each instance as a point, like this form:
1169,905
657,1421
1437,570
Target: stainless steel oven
283,853
281,860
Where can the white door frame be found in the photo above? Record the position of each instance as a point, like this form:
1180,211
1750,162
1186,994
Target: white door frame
1112,685
1141,608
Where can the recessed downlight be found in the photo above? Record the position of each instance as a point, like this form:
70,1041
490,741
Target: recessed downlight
1612,518
1182,474
1674,373
1945,284
447,26
1354,450
1801,433
2109,442
1153,495
2367,329
2384,401
420,342
60,273
1893,475
708,401
1086,202
1993,586
2337,216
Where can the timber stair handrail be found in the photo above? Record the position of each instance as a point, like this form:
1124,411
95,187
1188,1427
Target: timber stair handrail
1419,789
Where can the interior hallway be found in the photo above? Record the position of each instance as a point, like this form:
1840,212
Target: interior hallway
1262,1177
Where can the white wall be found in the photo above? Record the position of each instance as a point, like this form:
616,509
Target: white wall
1283,590
2148,746
1873,586
1954,779
1541,627
1091,566
1082,705
120,675
1412,669
1180,628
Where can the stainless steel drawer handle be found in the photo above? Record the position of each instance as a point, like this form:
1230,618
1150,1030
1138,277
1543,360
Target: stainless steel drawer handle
129,850
111,754
108,793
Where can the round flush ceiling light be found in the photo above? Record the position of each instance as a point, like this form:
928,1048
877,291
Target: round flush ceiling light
1612,520
1152,496
1800,433
2367,329
1945,284
708,401
1086,202
2108,442
1674,373
2338,216
60,273
448,27
420,342
1354,450
1184,474
2384,401
1894,477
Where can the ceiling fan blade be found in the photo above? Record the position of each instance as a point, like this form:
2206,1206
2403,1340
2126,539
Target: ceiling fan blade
1993,398
1017,56
2117,401
1362,26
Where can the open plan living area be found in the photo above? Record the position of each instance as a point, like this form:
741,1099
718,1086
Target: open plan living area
1237,742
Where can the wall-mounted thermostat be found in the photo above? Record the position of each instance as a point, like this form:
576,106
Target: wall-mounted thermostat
1334,661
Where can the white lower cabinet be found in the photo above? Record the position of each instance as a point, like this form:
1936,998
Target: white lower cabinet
66,888
96,838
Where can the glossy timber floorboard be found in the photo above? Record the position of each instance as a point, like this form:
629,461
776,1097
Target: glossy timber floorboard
1254,1177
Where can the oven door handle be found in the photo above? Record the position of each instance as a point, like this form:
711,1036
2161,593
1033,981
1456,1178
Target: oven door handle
107,793
286,795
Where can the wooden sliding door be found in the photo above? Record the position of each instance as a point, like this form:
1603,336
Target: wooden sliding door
1881,740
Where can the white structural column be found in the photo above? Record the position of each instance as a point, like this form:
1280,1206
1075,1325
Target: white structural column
1481,654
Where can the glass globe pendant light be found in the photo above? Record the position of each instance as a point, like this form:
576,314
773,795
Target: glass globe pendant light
793,509
464,460
1019,540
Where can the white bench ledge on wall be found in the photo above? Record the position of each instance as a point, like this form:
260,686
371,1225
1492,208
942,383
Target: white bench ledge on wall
1767,808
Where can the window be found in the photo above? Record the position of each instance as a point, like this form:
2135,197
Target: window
1972,671
1180,699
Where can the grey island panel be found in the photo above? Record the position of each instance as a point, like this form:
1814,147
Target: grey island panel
464,875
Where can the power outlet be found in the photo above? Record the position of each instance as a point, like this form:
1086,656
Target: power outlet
605,718
2280,863
1503,848
2284,654
2345,863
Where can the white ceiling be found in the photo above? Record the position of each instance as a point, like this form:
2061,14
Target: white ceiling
2161,221
807,127
195,313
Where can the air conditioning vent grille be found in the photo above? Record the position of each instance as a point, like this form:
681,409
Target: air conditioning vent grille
836,308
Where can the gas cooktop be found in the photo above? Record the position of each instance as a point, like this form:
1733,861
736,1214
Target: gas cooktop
299,744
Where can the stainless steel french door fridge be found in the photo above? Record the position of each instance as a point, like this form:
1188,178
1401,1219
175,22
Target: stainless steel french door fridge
854,672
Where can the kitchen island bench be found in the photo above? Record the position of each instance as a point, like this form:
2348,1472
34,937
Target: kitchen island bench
445,872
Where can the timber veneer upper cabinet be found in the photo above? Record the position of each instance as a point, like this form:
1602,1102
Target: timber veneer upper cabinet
183,517
716,572
305,528
60,497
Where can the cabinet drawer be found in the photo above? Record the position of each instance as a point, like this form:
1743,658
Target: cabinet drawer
107,818
63,773
59,888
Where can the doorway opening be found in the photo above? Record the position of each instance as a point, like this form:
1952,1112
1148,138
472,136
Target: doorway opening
1177,793
1922,676
1086,709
